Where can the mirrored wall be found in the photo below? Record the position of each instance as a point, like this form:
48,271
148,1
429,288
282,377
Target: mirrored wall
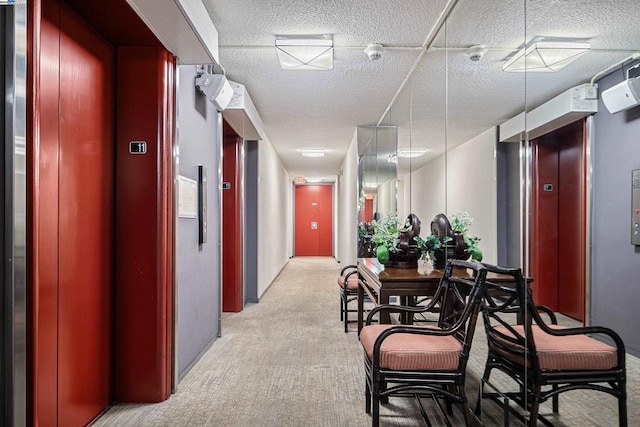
494,121
443,148
445,118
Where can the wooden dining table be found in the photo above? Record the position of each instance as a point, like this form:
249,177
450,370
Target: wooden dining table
380,283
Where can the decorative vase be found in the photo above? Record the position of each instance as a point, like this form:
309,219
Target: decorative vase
456,249
406,258
408,254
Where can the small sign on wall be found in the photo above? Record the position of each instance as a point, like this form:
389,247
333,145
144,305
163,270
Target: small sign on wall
137,147
187,197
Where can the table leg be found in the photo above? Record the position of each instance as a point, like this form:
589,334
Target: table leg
360,306
411,302
384,315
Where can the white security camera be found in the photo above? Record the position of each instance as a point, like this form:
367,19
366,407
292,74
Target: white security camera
374,51
475,53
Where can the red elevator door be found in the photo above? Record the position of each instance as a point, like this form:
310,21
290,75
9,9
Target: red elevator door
558,227
85,220
232,251
313,220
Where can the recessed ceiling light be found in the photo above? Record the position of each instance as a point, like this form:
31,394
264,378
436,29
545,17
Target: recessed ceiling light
312,152
412,152
312,52
316,179
544,55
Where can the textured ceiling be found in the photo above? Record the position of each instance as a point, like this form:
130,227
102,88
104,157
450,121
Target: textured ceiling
447,100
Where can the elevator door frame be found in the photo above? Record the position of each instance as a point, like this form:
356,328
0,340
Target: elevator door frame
13,130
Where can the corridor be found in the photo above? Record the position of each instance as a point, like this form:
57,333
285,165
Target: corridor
287,362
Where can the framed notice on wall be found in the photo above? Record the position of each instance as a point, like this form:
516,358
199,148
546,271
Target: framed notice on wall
187,197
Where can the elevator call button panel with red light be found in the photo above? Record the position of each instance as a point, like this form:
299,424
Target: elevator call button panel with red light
635,208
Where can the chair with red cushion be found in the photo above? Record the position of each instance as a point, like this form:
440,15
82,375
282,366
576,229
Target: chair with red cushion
348,284
544,360
425,361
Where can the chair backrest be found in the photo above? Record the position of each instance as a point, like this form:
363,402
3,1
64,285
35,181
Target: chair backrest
459,295
506,302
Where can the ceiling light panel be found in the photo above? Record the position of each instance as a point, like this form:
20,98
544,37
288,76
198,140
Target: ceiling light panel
309,52
412,152
312,152
544,56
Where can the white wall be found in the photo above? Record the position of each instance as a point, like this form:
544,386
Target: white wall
274,218
425,192
470,185
348,206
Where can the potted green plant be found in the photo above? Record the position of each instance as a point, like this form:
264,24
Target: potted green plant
394,241
449,240
461,223
433,248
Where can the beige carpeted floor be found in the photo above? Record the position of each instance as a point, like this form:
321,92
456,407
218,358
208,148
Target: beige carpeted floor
287,362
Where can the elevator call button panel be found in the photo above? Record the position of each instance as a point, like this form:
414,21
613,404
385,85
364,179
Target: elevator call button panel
635,208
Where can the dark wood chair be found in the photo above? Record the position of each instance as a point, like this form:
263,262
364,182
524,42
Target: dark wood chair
425,361
542,358
348,284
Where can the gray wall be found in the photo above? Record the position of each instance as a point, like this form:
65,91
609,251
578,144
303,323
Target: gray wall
251,222
615,284
198,286
509,217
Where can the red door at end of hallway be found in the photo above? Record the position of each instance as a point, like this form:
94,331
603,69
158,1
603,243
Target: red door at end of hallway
313,220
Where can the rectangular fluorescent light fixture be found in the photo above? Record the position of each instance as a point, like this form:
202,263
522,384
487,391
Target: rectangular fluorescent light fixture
312,152
412,152
309,179
311,52
542,55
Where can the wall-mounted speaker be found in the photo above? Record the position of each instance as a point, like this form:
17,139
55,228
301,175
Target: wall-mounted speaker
216,88
622,96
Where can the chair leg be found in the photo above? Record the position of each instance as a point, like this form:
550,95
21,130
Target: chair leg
449,407
342,308
375,416
622,404
346,316
367,396
466,412
384,399
478,409
555,406
533,409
